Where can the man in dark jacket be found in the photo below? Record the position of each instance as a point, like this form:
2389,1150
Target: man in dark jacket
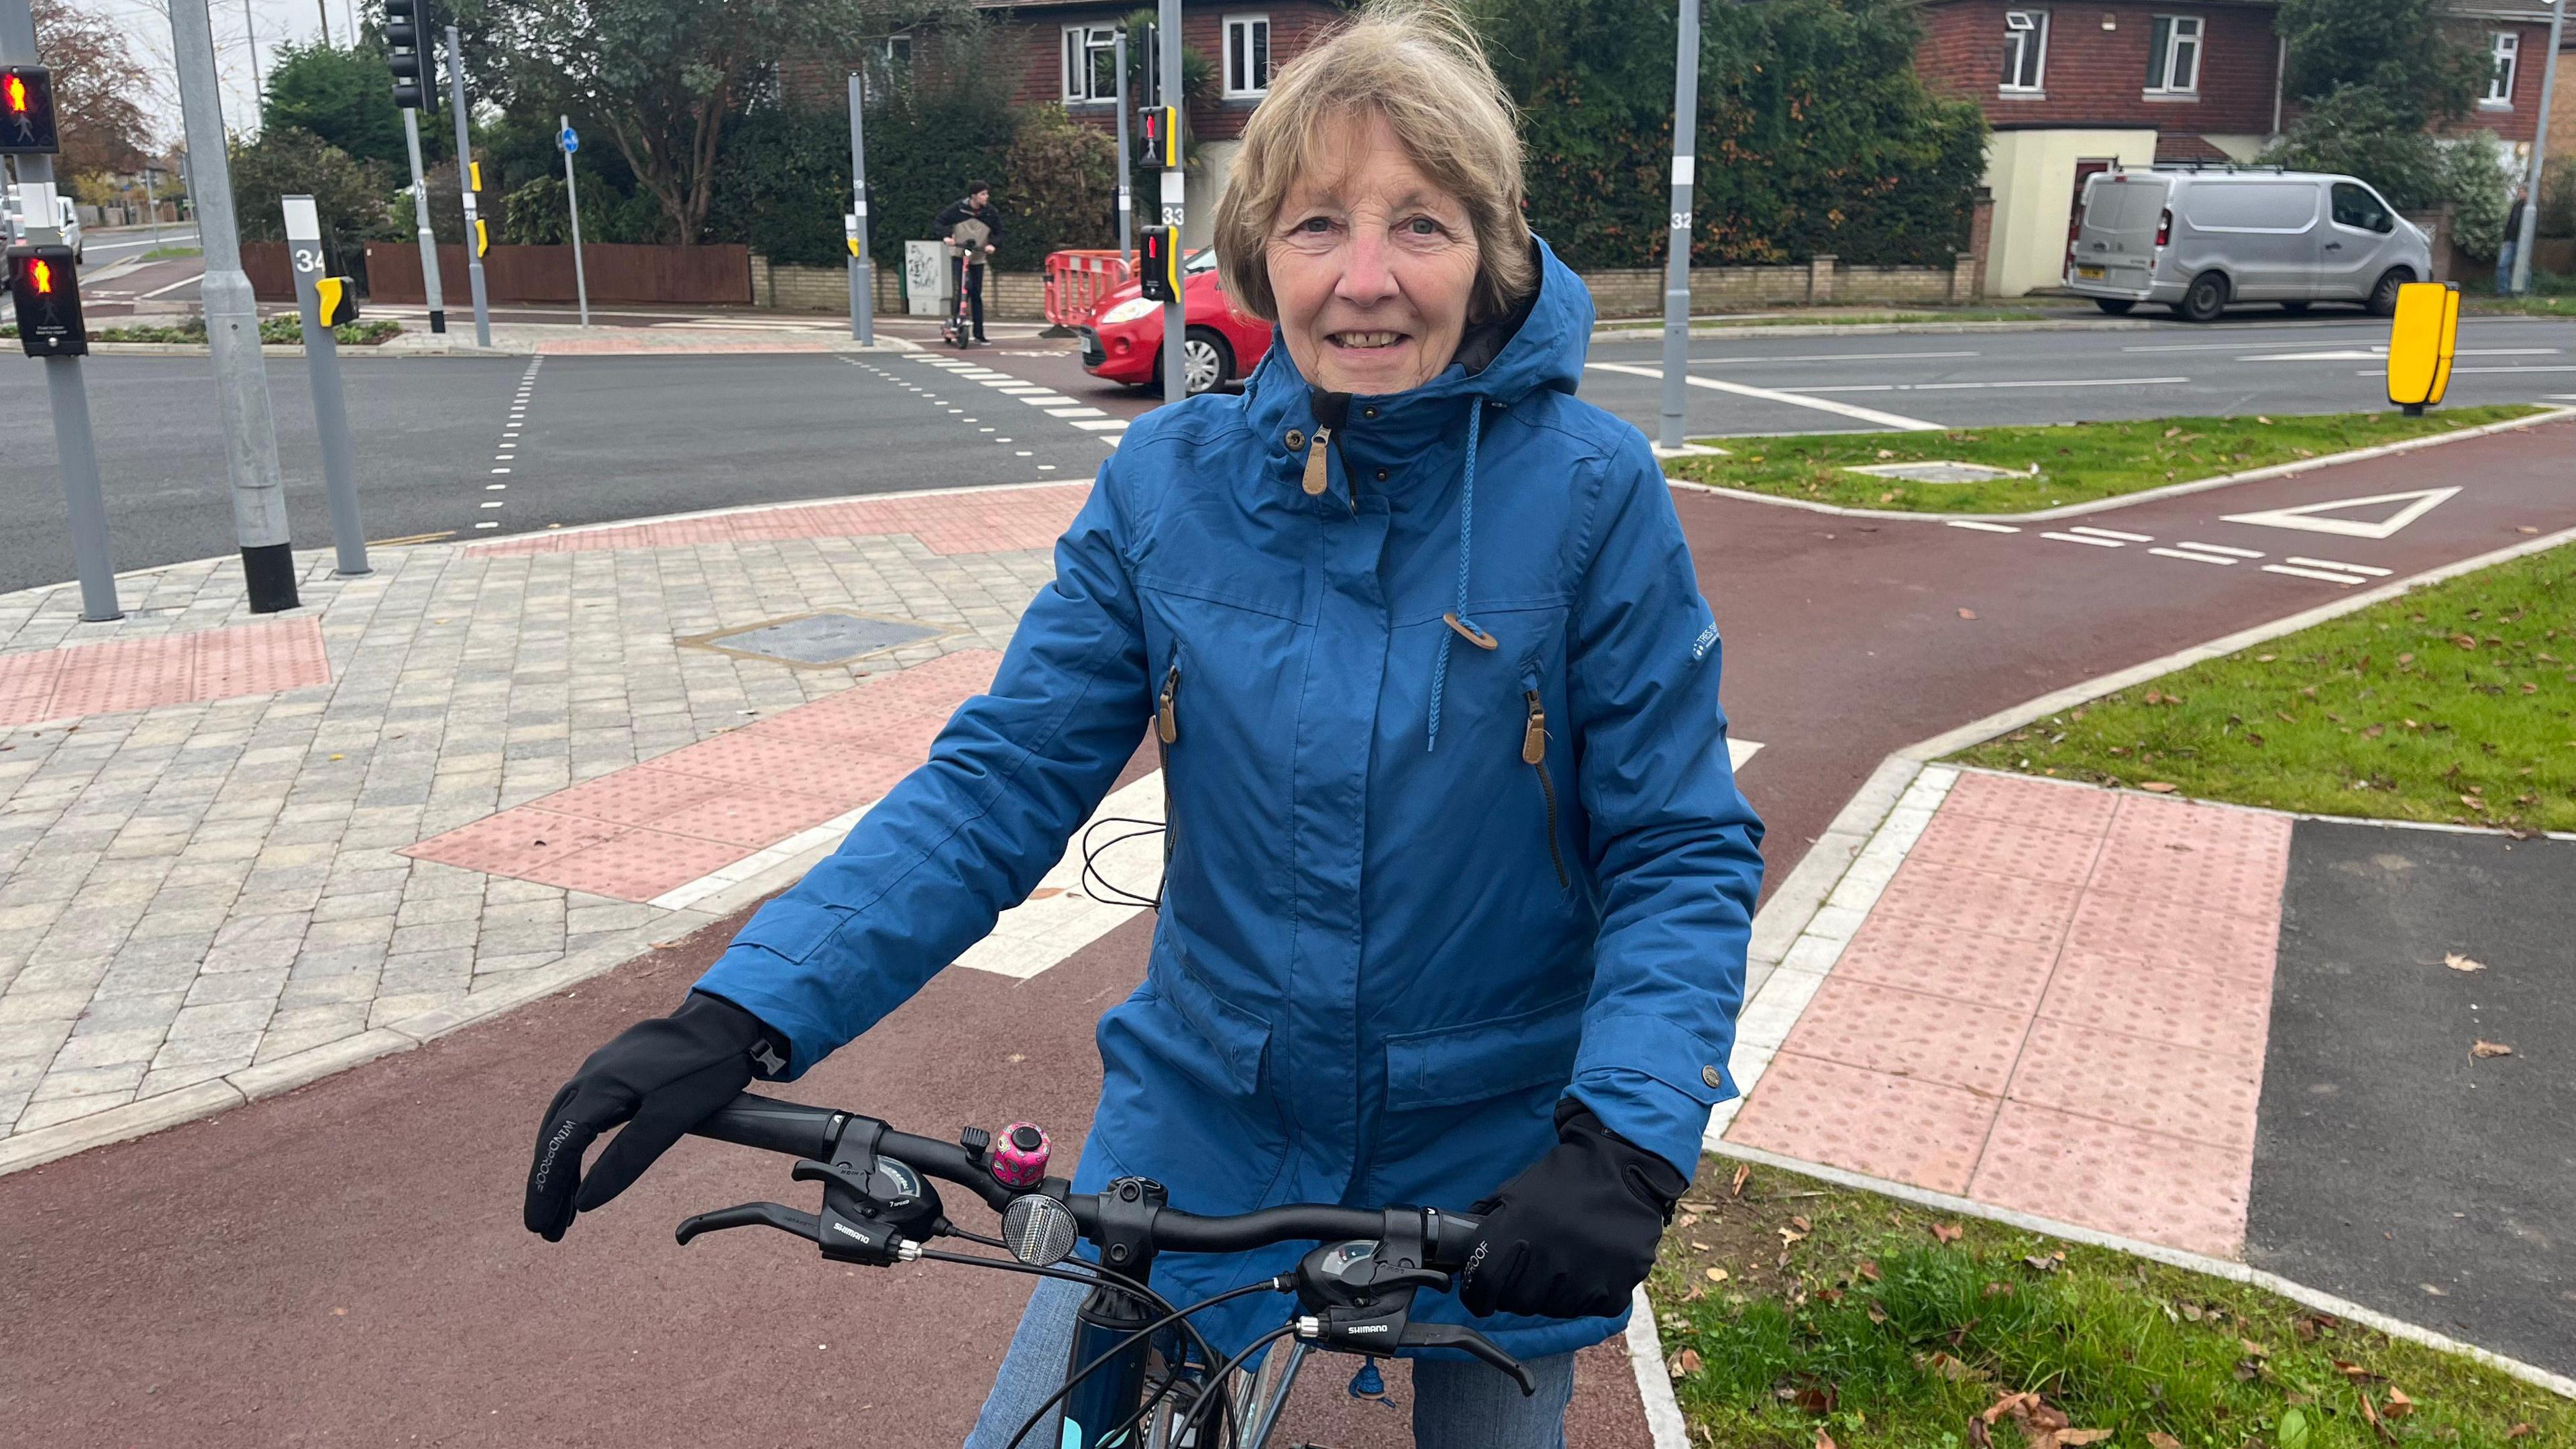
976,205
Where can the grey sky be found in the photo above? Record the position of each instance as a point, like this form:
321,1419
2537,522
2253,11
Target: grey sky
275,22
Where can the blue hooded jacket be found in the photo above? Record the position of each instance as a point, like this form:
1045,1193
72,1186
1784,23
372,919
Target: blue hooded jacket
1419,888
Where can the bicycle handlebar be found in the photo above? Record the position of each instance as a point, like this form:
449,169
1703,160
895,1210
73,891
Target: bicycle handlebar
797,1130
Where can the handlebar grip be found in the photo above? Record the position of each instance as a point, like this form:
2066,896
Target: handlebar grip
774,1126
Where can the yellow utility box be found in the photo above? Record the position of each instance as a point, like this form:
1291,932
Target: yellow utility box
2421,340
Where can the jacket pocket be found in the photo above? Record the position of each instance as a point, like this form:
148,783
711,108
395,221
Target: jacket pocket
1534,755
1236,1039
1484,1059
792,931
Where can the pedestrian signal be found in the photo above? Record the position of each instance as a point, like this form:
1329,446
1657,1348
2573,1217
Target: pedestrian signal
402,53
2421,340
45,292
1158,138
27,111
336,300
482,238
1158,263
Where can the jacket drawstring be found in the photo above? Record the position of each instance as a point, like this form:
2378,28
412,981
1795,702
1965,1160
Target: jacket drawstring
1459,622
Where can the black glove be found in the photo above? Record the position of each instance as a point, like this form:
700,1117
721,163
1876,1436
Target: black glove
669,1075
1574,1234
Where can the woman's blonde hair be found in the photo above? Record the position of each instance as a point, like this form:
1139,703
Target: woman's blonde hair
1418,65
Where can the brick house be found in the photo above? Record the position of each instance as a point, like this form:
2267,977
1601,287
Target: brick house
2074,88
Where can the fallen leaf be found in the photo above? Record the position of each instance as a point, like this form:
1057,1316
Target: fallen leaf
339,1313
1823,1439
2265,658
2370,1415
2008,1404
2082,1436
1799,1221
2254,1350
2518,1431
2398,1405
1979,1436
1736,1188
1815,1400
1947,1232
2044,1264
1877,1314
1684,1364
1869,1270
1950,1366
2458,962
1717,1275
2158,787
2192,1312
2159,1439
2292,1430
2485,1049
2267,422
1788,1236
664,945
1967,613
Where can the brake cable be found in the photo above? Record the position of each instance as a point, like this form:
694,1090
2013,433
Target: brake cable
1239,1360
1280,1284
1107,892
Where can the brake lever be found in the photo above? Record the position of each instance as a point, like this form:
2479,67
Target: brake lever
753,1215
1456,1335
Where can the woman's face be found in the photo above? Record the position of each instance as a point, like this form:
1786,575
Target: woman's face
1372,268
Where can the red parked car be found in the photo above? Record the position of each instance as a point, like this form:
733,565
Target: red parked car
1124,340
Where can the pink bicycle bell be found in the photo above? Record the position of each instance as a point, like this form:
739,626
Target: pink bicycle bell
1020,1155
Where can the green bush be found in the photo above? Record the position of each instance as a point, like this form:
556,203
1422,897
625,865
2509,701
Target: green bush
1815,134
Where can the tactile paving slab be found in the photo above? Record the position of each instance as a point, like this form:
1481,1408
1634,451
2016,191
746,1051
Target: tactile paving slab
2058,1004
637,833
983,520
146,673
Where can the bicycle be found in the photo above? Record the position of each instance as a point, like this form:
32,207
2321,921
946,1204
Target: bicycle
1139,1376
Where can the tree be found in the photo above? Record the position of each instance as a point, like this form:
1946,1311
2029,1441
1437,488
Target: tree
1059,186
97,89
2375,77
2399,48
660,79
349,194
343,96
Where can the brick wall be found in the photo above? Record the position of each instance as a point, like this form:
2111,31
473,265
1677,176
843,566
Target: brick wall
1008,296
1032,48
2098,76
2520,121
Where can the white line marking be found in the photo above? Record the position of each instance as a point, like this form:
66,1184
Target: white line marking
2327,563
2194,557
1983,527
2347,580
2306,517
495,487
2113,533
1076,412
1739,751
2348,354
1061,917
1105,425
487,523
1828,357
1866,415
500,470
2222,548
2080,538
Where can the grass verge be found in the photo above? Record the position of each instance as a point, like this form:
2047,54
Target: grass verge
165,254
1799,1315
2076,463
273,332
2454,703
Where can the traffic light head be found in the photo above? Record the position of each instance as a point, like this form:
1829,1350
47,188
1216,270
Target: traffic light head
27,111
1158,264
44,290
402,53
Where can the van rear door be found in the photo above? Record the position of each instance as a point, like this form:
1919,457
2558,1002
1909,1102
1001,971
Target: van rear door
2116,244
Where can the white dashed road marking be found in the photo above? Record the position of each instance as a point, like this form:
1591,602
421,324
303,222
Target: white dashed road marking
505,454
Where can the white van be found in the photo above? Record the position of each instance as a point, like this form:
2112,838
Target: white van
2197,239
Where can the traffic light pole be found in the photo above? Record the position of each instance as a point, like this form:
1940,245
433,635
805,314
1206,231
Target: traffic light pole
1126,164
2530,234
232,325
330,405
75,448
465,183
863,281
420,219
1674,426
1176,327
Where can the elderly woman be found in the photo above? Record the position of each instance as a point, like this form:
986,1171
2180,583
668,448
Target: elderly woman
1459,882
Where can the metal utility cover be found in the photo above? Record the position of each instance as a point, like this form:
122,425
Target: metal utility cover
1937,471
831,637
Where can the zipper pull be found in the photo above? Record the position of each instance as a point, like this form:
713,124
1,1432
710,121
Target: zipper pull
1167,721
1534,739
1317,479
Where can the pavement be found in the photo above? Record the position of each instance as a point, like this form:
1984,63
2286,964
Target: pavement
248,852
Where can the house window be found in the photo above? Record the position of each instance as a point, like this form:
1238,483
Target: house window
2504,48
889,67
2025,49
1247,55
1090,63
2173,56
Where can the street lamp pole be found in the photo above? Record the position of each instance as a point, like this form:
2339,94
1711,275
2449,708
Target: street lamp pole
1676,409
863,279
465,182
2521,281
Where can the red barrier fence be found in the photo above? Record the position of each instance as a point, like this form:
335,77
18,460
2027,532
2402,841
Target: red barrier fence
1076,281
717,274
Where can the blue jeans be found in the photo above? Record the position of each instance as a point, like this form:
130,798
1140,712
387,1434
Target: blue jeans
2504,264
1456,1405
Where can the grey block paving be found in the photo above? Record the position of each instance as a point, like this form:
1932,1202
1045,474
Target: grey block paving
188,891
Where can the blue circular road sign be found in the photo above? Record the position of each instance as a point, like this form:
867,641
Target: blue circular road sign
570,140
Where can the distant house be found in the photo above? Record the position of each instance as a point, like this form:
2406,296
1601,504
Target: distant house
2072,89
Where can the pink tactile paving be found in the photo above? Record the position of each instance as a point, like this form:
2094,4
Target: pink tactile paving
165,669
1911,1034
2008,847
1976,900
638,833
1895,1127
2102,959
981,521
2120,1179
1924,955
2031,802
2201,1096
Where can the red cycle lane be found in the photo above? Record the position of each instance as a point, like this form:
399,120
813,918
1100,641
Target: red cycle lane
345,1263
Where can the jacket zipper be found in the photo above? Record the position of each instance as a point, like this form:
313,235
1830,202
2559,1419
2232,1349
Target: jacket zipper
1317,477
1167,719
1534,755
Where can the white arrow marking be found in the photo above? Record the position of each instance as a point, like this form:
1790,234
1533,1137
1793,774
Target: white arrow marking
2308,516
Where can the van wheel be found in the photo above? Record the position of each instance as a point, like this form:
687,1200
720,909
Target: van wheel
2383,295
2206,299
2116,306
